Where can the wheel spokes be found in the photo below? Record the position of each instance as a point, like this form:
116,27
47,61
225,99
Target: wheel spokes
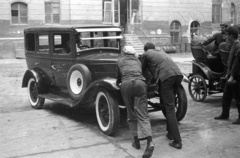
103,111
33,91
197,88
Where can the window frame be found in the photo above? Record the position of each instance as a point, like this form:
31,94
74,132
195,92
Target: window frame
215,7
174,30
27,43
65,36
51,2
107,11
19,13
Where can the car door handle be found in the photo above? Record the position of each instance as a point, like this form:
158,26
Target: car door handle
36,64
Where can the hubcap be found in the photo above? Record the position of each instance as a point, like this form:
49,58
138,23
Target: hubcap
76,82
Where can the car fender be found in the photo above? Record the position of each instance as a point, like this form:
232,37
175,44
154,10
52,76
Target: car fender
204,69
38,77
107,83
185,79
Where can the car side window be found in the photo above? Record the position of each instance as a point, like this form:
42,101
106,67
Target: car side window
30,42
43,44
62,44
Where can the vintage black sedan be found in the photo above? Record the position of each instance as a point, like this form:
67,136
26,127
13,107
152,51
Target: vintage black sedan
76,65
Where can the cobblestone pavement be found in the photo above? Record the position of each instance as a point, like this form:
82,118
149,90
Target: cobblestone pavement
60,132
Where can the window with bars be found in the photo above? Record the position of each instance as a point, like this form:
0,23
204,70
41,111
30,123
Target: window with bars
52,11
19,13
175,32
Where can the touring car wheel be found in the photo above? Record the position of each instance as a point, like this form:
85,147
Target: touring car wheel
32,91
181,104
78,79
197,88
107,112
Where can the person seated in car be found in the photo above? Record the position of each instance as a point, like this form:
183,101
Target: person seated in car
217,38
66,48
79,44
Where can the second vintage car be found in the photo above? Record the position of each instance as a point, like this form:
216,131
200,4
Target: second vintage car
76,65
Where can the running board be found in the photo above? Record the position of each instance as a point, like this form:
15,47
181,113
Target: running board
59,98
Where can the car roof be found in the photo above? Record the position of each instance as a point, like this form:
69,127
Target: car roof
68,27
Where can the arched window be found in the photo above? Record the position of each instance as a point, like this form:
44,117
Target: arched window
233,13
194,28
175,32
19,13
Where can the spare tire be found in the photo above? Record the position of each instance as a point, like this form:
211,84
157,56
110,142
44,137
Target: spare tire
78,79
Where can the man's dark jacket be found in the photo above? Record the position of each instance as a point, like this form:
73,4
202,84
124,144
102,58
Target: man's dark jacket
217,38
160,64
128,67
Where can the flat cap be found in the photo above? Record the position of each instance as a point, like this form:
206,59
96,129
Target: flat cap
129,50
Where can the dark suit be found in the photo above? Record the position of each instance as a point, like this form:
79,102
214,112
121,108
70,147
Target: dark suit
232,90
163,69
217,38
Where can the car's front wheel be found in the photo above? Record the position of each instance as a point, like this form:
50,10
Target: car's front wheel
107,112
35,101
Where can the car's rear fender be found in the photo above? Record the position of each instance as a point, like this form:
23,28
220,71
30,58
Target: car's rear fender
38,77
201,69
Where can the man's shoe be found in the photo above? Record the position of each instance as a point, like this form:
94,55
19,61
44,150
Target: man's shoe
169,136
148,151
222,117
237,121
136,145
176,145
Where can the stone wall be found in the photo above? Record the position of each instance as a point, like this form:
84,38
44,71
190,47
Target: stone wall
11,48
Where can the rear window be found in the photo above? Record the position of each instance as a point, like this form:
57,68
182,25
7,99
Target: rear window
30,42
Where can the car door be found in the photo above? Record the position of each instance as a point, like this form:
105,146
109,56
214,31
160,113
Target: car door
61,57
43,60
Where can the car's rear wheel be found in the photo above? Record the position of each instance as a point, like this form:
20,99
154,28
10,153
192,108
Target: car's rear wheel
78,79
35,101
107,112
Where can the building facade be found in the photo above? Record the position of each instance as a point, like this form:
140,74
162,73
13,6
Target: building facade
170,22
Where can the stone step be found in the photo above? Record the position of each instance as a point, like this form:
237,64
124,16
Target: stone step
133,40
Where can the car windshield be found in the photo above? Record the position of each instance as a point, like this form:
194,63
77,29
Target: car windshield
98,38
